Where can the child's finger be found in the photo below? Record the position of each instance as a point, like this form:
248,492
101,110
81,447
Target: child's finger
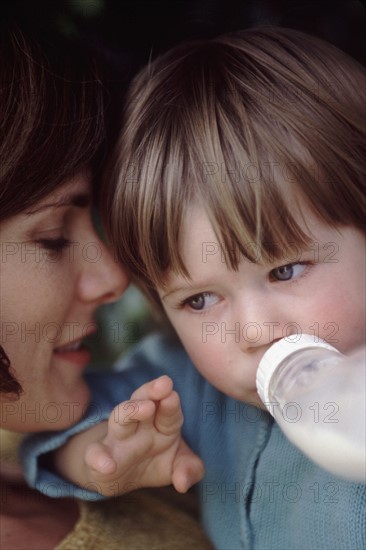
188,469
125,418
169,416
98,459
155,389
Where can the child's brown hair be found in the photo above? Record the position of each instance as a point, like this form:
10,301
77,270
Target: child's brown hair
237,123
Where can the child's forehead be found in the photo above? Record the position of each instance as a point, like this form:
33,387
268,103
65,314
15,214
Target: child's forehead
200,239
205,257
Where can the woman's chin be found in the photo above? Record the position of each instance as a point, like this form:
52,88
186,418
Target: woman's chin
61,415
25,415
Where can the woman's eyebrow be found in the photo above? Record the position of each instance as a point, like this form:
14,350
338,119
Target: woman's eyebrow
80,200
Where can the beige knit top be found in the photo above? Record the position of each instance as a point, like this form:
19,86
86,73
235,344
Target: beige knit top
155,519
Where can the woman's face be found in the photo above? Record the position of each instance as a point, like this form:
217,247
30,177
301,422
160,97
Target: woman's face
55,272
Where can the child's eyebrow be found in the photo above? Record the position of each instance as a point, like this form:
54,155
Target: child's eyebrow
183,288
80,200
172,291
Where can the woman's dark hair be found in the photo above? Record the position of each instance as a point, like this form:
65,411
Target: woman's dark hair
51,127
51,118
8,383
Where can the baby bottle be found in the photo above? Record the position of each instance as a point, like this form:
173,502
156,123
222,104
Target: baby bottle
317,396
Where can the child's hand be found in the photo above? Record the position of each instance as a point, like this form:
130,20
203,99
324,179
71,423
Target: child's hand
142,446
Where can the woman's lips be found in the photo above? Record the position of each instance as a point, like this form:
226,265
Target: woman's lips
76,352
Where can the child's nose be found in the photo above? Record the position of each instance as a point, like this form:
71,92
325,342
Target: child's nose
259,321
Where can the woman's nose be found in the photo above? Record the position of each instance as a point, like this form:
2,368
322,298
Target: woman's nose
103,280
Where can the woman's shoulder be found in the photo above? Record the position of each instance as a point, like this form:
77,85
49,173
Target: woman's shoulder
153,519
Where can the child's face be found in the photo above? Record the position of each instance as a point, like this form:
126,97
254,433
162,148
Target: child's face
227,319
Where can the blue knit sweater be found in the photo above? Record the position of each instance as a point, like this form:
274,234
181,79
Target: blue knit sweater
259,492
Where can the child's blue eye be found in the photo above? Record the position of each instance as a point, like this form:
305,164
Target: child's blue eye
201,301
287,272
55,245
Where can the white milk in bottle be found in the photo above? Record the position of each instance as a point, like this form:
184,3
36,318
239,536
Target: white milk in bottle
317,396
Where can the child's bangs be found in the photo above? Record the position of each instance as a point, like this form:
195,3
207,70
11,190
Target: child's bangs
249,206
257,219
164,195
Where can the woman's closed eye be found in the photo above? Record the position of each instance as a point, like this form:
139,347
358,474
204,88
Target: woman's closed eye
55,245
201,301
288,272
